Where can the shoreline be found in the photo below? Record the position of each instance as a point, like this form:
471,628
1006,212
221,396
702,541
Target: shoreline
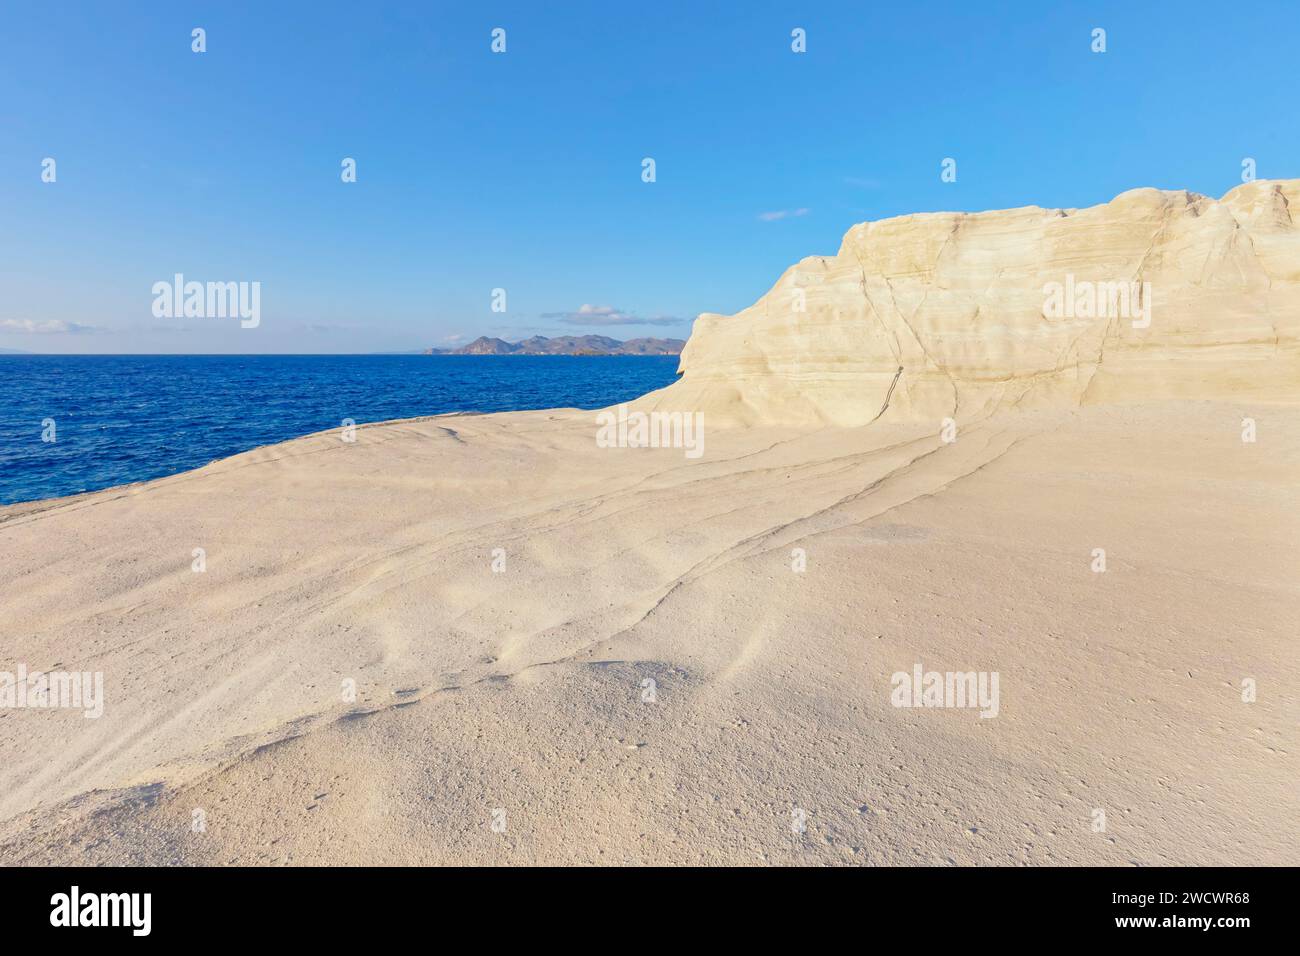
79,425
523,688
322,433
565,411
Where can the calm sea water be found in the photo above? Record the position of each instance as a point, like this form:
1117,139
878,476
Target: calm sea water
127,418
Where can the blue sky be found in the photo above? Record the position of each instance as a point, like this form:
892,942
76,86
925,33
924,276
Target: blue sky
522,170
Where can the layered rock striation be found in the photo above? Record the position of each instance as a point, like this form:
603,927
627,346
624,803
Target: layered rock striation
1154,295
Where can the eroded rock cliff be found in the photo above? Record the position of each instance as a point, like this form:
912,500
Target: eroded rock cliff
1153,295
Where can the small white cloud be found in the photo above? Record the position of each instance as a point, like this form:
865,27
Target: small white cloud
608,315
45,327
783,214
599,311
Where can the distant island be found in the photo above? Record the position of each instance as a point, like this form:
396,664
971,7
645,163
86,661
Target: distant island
565,345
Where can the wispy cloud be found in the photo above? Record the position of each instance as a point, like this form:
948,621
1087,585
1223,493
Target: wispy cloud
45,327
783,214
608,315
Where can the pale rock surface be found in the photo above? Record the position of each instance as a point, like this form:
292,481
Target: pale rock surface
956,301
523,689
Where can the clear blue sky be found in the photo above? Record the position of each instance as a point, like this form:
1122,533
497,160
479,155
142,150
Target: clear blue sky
523,170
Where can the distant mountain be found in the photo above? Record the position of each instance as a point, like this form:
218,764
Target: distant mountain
565,345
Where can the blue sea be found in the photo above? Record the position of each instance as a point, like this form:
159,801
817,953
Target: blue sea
123,418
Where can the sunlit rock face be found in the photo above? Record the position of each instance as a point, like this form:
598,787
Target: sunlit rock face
1153,295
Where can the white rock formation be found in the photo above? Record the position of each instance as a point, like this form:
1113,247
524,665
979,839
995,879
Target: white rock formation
957,314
